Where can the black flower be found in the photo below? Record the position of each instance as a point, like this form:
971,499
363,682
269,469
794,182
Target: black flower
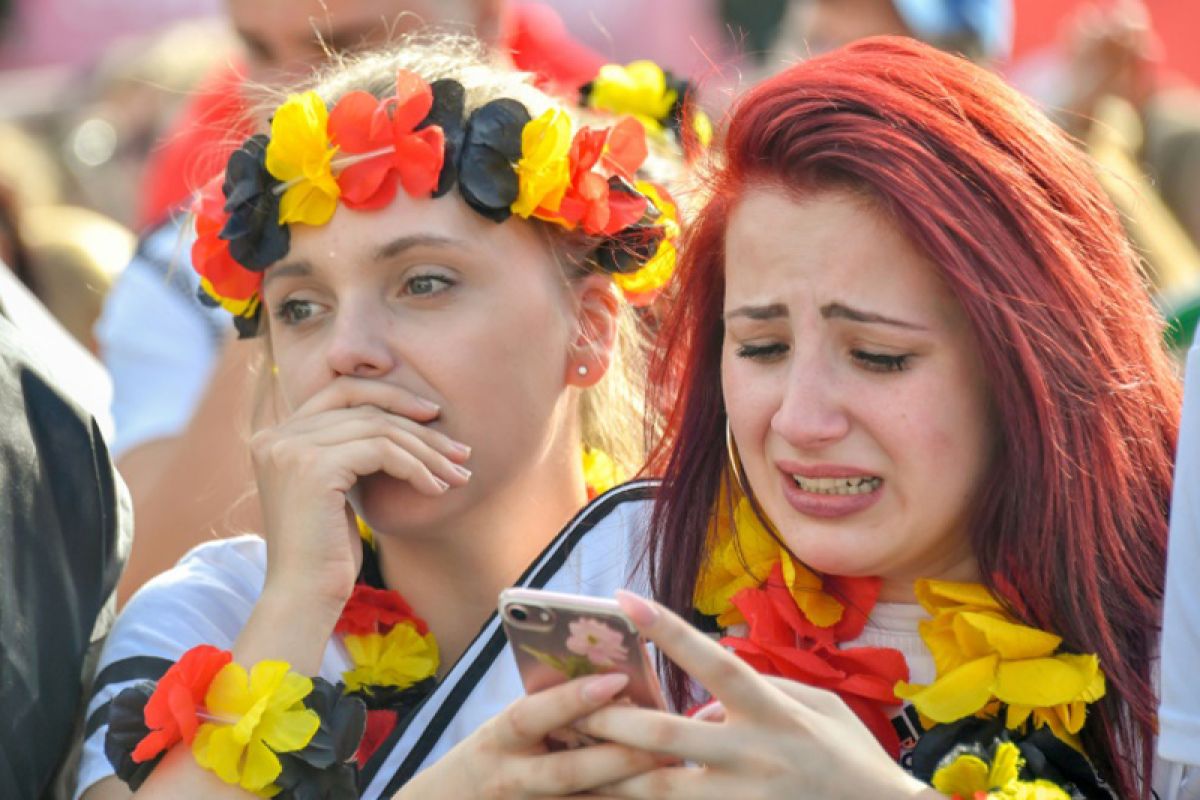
491,148
256,239
127,727
449,100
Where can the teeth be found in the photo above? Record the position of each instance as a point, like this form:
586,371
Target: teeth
862,485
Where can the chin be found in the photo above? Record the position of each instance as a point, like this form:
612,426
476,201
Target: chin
389,505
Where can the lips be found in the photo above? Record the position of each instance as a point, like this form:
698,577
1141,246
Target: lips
829,491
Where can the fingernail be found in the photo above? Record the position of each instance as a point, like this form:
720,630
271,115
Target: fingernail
599,688
460,448
461,470
642,613
428,405
441,483
713,712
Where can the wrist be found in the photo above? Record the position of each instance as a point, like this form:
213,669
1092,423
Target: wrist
288,624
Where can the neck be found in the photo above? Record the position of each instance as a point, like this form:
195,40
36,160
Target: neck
900,588
452,577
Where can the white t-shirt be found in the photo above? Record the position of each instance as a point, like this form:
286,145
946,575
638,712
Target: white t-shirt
208,596
1179,714
159,342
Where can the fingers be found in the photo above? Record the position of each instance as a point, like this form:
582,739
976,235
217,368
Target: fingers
681,783
571,771
437,451
359,458
348,392
658,732
527,721
723,674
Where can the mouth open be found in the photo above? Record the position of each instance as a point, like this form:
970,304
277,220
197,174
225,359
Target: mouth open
864,484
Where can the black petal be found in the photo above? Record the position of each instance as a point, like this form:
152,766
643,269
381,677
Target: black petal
490,151
343,720
399,700
247,327
256,239
300,780
449,100
127,727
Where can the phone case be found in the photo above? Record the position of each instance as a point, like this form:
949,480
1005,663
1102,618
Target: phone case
565,636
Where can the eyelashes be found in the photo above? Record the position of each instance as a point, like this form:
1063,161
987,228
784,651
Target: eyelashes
872,362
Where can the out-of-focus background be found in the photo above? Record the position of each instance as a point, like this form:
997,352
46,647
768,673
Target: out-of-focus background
90,90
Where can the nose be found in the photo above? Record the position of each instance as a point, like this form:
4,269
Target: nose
359,346
813,411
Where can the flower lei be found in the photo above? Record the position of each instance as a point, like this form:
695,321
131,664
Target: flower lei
271,731
1002,715
364,149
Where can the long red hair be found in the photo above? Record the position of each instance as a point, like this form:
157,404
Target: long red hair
1070,527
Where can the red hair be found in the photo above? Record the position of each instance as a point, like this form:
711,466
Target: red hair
1070,527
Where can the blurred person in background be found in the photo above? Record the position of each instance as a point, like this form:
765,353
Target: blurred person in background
181,388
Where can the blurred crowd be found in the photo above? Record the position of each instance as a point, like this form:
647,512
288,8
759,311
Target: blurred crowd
101,152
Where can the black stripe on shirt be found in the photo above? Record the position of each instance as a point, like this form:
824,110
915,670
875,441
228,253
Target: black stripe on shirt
559,549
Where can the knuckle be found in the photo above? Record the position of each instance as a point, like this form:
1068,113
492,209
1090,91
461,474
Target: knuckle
519,723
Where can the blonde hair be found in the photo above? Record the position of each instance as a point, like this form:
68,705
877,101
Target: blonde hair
613,414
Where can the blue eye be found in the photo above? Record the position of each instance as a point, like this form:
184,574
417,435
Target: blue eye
762,352
293,312
427,284
878,362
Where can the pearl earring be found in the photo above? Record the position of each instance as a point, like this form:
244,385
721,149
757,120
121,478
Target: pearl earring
582,370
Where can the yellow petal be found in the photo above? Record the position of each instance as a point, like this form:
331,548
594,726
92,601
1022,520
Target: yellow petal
544,169
261,767
1006,765
936,596
963,777
290,730
216,749
985,632
939,637
228,695
290,691
307,204
1041,682
957,694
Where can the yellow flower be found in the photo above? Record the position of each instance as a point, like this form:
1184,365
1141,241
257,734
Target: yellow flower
742,557
983,656
399,658
968,775
259,715
639,89
600,473
703,127
655,273
299,155
544,170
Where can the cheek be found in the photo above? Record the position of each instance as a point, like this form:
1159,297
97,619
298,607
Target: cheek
752,398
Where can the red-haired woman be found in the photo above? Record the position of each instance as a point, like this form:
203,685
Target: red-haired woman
922,452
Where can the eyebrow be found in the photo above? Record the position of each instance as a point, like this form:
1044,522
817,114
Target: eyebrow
303,268
772,311
839,311
405,243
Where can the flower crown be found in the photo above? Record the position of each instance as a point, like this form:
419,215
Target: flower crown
364,149
661,101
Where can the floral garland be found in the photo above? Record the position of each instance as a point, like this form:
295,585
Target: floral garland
1002,716
271,731
364,149
658,99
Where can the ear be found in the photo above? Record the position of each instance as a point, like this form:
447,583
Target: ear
596,309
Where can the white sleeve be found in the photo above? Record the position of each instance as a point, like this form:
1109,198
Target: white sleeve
205,599
1179,713
159,343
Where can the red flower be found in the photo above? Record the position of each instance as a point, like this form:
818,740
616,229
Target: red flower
593,200
781,641
171,711
360,123
375,611
210,253
380,723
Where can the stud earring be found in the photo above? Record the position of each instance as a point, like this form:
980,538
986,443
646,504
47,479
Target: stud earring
581,370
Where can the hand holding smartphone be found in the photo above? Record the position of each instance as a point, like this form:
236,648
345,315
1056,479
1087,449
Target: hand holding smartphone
556,637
